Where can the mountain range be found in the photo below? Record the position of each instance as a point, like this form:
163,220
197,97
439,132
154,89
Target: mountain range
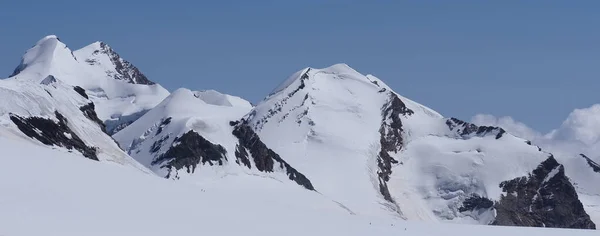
92,144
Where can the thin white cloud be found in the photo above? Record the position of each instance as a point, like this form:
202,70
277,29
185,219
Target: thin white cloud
508,123
581,125
579,133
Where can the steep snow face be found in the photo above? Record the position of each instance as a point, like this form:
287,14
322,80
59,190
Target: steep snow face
105,76
192,135
326,122
38,60
381,154
103,59
55,114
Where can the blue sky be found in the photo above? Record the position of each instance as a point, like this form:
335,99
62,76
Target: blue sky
533,60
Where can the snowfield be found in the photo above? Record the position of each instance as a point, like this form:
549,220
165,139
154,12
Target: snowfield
92,147
63,194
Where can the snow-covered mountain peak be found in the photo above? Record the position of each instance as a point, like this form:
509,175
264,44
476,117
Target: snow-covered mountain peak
304,74
120,92
196,135
219,99
396,153
103,57
42,59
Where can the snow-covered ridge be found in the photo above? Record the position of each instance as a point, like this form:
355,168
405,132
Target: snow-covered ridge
325,119
196,135
38,59
103,57
119,90
57,115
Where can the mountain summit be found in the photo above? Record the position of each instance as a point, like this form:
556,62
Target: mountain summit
119,90
102,57
331,143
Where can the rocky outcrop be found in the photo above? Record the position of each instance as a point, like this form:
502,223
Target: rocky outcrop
48,80
544,198
124,70
467,130
89,111
53,133
595,166
476,202
250,147
190,150
81,92
390,140
258,125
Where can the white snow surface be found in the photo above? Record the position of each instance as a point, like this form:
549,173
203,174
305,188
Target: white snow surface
27,99
69,195
207,113
326,126
113,98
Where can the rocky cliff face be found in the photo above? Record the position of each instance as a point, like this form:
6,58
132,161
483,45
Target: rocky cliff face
124,70
188,151
391,140
465,129
51,132
545,198
250,147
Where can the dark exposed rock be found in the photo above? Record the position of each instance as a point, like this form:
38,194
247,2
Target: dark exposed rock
242,156
90,112
50,132
544,198
19,68
391,140
158,144
48,80
264,158
466,129
188,151
595,166
125,70
81,92
163,124
476,202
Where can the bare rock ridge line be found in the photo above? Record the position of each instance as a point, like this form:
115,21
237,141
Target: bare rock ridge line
595,166
192,149
264,158
545,198
124,69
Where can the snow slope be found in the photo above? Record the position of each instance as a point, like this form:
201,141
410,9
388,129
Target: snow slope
55,202
51,100
118,102
381,154
207,113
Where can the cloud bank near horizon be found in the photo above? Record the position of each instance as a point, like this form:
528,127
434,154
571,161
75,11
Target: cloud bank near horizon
579,132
